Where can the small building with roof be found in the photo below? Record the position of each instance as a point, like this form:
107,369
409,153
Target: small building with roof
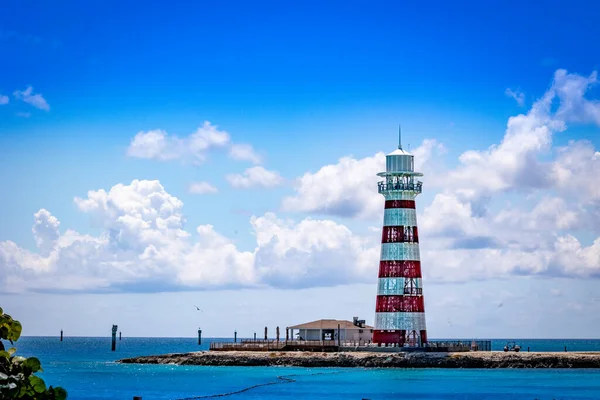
327,329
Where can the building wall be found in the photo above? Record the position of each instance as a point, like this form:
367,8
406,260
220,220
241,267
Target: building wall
310,334
346,334
356,335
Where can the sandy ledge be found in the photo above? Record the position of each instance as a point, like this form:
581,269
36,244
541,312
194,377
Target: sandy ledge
378,360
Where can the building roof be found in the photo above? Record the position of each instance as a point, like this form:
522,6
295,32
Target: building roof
399,152
329,324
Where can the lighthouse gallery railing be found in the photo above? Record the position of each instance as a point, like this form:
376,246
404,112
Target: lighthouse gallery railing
415,187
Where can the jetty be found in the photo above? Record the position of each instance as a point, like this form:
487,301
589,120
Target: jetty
365,359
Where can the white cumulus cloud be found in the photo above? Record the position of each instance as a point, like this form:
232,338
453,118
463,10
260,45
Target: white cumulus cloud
36,100
571,89
45,230
255,177
312,252
244,152
3,100
468,233
159,145
349,187
516,163
144,247
517,94
202,188
575,169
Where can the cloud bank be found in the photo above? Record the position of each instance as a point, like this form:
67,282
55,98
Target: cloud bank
144,247
515,208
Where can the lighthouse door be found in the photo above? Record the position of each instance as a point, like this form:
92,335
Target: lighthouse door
412,338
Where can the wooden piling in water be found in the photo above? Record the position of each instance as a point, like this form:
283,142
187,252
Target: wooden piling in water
61,335
119,335
114,337
235,337
199,336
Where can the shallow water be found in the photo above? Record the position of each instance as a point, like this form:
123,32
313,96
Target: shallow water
86,368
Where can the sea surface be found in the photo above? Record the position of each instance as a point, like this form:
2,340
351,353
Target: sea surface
86,368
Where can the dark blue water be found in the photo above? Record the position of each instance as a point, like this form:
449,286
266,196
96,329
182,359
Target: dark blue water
86,368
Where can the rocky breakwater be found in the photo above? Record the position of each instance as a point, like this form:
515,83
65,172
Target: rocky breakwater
377,360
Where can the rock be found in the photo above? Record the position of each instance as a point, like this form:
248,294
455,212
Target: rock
377,360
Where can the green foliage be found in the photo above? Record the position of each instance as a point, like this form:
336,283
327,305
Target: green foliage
17,379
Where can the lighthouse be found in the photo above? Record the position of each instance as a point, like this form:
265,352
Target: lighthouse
400,310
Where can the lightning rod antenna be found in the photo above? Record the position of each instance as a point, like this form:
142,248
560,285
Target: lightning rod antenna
400,136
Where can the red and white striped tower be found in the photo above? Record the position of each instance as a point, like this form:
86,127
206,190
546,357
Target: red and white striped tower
400,310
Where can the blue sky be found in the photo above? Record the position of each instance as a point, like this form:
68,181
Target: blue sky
304,85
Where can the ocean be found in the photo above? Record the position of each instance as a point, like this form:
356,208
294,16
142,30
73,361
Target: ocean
86,368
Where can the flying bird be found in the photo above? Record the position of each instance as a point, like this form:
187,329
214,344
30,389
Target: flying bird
198,309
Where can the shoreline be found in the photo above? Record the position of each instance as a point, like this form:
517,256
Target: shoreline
481,360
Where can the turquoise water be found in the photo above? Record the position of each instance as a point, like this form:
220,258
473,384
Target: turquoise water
86,368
